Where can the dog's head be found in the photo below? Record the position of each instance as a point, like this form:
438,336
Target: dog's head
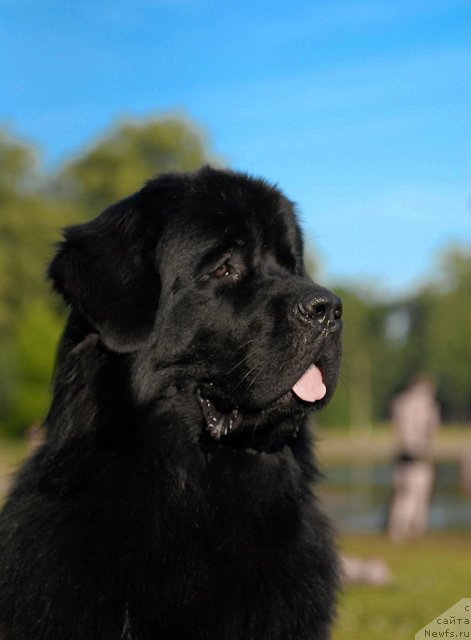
201,278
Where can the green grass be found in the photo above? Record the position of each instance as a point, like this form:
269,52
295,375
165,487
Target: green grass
429,576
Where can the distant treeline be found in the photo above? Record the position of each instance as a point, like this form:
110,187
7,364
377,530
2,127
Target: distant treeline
386,343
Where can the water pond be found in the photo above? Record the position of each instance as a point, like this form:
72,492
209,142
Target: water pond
357,497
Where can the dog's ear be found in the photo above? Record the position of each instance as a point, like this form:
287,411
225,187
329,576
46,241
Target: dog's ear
106,270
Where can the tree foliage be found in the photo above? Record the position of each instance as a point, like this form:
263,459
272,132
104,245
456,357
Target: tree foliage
130,154
447,335
386,342
33,209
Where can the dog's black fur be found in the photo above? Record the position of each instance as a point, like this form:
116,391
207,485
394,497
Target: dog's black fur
137,519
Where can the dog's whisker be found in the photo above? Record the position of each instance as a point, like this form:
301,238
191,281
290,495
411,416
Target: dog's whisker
236,366
248,342
256,375
242,360
244,377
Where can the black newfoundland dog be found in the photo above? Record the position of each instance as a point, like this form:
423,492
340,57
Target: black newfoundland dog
172,498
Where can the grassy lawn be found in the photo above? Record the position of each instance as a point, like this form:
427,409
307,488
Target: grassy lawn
430,576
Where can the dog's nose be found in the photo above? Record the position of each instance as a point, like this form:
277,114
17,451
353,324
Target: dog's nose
323,307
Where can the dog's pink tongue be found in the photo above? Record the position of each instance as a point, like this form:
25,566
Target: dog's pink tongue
310,386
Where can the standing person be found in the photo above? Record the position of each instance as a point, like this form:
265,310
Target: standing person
415,418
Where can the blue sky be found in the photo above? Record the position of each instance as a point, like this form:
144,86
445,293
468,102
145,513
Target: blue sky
358,109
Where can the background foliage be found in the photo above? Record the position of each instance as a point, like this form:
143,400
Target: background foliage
386,341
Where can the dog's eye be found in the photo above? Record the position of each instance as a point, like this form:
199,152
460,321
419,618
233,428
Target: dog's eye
226,272
224,269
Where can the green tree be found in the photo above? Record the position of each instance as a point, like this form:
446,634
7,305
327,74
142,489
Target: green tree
34,347
448,333
29,224
353,401
33,209
133,152
386,343
18,165
428,333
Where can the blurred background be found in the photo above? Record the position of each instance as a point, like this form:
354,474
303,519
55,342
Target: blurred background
359,110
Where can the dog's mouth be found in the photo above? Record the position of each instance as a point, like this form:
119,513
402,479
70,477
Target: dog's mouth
218,423
310,388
